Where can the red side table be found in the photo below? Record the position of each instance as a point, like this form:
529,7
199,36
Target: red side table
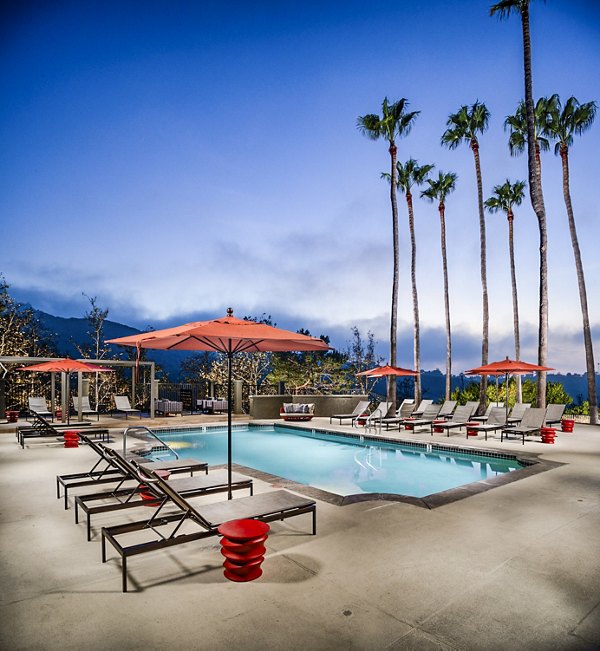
12,415
243,547
71,438
438,421
148,498
567,424
548,434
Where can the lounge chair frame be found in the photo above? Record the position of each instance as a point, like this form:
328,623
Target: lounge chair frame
123,405
533,421
41,428
359,410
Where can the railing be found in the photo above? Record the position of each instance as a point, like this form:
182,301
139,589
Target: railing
148,431
368,422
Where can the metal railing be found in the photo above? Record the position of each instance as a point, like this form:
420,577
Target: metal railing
148,431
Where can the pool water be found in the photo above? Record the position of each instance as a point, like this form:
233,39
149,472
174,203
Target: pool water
338,464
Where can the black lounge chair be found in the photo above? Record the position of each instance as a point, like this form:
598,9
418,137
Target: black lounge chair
459,419
41,428
488,411
141,492
554,414
106,470
420,410
532,422
359,410
447,409
267,507
517,413
425,420
495,420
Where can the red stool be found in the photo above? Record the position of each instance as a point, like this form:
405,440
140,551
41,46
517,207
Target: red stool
71,438
243,547
12,415
567,424
548,434
408,425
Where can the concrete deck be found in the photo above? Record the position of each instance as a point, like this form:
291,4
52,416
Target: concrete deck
515,567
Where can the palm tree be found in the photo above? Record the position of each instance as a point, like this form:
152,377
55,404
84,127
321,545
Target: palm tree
517,126
411,174
506,196
395,122
438,190
464,127
504,8
564,122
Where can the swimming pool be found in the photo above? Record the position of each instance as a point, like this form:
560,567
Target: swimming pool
342,465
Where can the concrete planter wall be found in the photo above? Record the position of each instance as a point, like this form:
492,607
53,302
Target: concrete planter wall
268,406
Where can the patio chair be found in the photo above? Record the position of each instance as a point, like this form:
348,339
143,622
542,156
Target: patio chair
38,406
496,420
404,411
378,414
41,428
85,407
421,408
474,404
267,507
106,470
447,409
492,405
460,418
122,404
532,422
425,420
140,493
361,408
554,413
517,412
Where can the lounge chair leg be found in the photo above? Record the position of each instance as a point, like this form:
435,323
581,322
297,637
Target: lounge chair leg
124,561
314,522
103,547
66,499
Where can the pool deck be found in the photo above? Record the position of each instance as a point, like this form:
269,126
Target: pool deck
514,567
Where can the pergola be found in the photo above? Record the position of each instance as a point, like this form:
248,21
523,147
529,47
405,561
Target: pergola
25,361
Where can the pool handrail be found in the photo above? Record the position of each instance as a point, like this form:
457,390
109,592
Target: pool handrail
149,431
370,417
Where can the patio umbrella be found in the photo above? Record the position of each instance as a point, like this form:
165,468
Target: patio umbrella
65,365
388,371
227,335
507,367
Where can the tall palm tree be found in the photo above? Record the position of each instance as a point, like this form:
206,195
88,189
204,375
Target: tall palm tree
503,9
464,126
438,190
505,197
517,127
564,123
395,122
409,174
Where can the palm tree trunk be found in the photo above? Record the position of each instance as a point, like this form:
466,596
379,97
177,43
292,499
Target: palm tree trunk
537,202
587,332
415,298
446,302
483,271
515,300
391,388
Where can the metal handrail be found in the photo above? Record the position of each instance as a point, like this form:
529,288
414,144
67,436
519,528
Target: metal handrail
149,431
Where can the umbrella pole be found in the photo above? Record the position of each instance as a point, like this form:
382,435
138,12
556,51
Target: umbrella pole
229,382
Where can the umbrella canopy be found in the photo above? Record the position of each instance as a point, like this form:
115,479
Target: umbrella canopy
227,335
66,365
388,371
507,367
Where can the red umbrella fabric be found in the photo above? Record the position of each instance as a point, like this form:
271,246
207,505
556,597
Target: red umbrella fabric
227,335
387,371
64,366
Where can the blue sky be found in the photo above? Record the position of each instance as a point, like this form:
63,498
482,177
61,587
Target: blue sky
176,158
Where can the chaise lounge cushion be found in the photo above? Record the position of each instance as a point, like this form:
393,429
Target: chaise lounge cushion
297,411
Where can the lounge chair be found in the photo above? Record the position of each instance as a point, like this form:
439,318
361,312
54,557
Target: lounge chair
474,404
39,407
421,408
138,494
447,409
106,470
403,412
517,412
122,404
361,408
460,418
492,405
41,428
495,420
379,414
267,507
532,422
429,416
554,414
86,409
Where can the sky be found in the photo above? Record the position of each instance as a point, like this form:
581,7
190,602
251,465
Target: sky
173,159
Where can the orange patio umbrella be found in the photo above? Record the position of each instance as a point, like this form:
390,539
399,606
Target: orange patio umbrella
507,367
65,365
227,335
387,371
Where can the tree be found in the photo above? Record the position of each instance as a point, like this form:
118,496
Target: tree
506,196
464,126
411,174
395,122
503,9
517,127
564,123
361,357
438,190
